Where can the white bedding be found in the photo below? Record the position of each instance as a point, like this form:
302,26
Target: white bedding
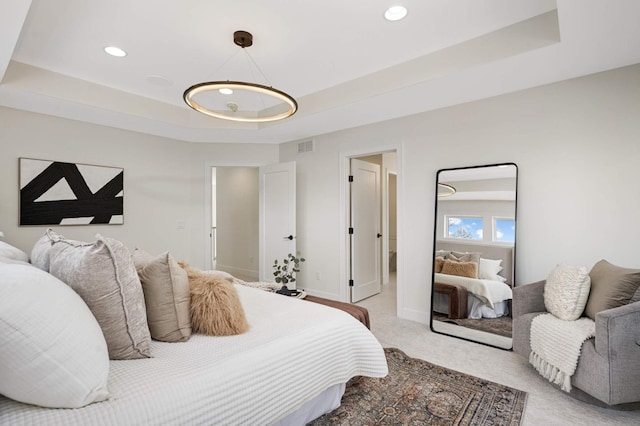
489,291
476,308
293,352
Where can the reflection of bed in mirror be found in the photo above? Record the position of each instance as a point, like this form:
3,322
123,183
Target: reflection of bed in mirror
488,296
475,236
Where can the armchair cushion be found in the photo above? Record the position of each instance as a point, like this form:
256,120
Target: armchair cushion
611,286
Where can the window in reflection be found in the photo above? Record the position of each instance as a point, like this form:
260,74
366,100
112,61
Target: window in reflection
504,230
468,228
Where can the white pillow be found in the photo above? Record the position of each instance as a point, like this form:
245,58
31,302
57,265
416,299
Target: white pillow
53,353
9,260
10,252
566,291
489,269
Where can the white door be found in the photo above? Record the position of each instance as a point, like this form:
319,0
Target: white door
365,221
277,226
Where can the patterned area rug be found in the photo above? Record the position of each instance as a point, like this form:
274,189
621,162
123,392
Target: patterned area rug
416,392
500,326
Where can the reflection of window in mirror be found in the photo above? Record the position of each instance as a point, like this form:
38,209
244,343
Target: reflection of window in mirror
464,227
504,230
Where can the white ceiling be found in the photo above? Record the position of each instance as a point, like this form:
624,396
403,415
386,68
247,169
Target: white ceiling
344,63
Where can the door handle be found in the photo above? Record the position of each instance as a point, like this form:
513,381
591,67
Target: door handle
290,237
379,235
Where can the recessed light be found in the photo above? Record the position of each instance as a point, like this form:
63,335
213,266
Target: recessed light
226,91
115,51
395,13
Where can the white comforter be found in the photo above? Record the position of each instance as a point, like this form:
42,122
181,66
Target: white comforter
488,291
294,350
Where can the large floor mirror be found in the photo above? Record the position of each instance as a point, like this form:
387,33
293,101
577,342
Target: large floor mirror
474,253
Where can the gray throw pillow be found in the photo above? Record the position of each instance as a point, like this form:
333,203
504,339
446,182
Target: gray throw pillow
457,256
611,286
104,276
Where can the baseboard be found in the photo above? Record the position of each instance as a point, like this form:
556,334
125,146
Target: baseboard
323,294
243,274
414,315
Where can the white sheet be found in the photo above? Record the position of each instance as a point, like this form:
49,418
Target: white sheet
476,308
488,291
294,351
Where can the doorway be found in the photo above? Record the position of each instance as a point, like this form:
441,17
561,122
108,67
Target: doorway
387,253
234,221
250,218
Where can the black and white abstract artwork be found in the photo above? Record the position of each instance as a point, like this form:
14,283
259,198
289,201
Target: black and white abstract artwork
57,193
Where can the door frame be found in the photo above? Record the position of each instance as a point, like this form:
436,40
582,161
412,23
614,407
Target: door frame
345,157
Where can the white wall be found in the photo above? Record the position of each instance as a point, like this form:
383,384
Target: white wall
576,144
164,180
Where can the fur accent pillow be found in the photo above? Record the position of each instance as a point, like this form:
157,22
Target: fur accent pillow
566,291
216,309
461,269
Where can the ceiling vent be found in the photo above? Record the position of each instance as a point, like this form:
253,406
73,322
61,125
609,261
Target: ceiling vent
305,147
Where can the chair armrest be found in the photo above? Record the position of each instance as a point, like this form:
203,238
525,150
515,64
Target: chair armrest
528,298
617,329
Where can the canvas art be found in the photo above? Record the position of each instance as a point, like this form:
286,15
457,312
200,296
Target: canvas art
58,193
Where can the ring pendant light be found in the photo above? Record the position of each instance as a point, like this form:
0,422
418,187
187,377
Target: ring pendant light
243,39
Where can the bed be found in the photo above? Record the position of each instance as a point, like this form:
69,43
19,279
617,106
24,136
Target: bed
290,368
483,297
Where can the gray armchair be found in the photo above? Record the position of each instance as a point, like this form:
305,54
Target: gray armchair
609,365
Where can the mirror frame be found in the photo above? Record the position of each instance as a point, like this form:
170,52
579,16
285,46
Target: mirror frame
435,239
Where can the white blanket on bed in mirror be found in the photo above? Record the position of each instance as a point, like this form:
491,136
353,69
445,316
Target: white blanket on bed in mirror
294,350
488,291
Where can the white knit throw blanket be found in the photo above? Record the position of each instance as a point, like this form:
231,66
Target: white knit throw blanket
266,286
556,346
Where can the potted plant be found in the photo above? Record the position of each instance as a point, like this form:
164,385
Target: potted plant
285,272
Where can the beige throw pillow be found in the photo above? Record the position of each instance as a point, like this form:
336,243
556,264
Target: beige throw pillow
216,309
438,264
104,276
566,291
462,269
611,286
166,294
